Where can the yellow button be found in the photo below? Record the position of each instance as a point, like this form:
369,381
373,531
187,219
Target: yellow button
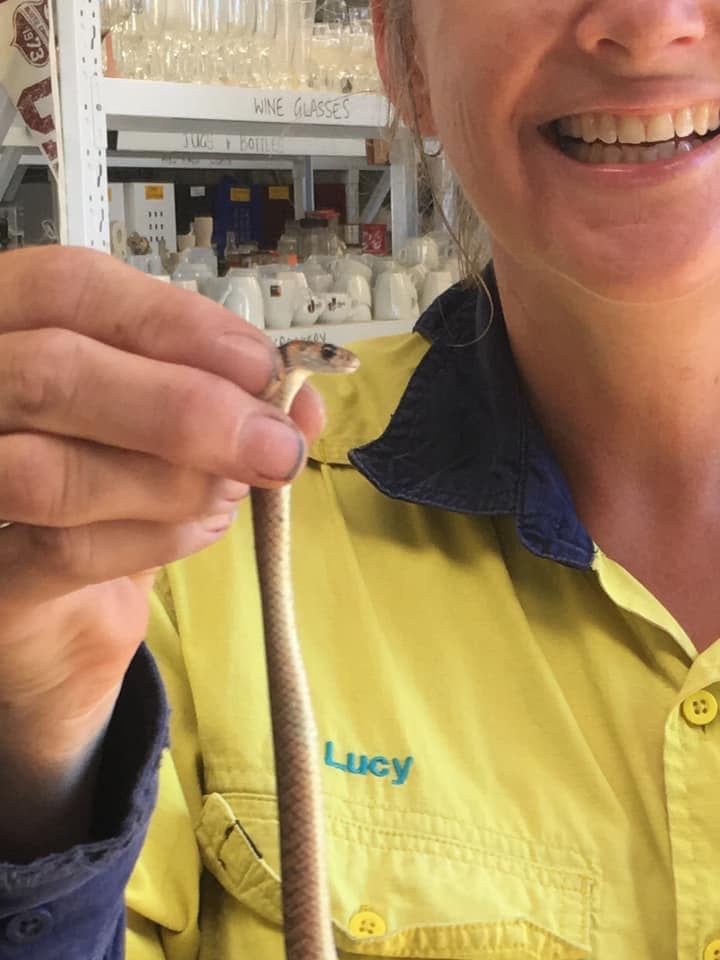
712,950
366,923
700,710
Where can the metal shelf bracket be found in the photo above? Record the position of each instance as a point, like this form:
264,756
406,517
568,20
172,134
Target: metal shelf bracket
83,175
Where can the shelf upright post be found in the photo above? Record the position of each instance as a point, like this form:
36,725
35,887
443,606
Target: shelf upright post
352,195
303,186
404,189
299,188
83,187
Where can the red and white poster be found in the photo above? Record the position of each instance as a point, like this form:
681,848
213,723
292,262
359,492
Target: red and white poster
26,68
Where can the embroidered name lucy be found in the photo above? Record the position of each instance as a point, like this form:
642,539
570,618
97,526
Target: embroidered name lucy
363,765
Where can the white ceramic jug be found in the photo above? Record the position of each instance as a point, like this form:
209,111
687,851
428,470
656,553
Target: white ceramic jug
246,297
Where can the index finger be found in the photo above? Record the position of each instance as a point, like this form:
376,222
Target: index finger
98,296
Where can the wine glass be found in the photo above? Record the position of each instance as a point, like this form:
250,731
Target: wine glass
241,28
115,12
287,42
302,51
363,76
263,41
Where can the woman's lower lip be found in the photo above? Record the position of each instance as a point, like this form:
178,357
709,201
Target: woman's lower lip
632,174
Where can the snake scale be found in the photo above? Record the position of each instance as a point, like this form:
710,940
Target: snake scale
307,916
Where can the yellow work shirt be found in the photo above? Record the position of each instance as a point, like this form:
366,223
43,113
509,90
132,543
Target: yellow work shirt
520,759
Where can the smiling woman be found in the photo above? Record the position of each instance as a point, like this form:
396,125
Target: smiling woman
505,549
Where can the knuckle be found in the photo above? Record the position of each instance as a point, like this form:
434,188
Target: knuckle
194,410
68,275
40,374
65,552
29,488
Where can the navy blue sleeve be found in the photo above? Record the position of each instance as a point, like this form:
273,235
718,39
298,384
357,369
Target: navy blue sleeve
71,905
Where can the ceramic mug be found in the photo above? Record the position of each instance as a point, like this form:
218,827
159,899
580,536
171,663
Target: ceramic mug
355,286
320,283
436,283
422,250
339,308
418,274
279,301
395,297
308,310
362,314
351,266
215,288
246,296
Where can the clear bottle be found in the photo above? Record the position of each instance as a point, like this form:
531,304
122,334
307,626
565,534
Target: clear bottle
288,246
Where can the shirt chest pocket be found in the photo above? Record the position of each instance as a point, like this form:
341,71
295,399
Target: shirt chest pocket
410,893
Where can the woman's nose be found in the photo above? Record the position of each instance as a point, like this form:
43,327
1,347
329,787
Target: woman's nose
637,35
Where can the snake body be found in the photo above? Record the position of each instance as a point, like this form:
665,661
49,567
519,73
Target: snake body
307,916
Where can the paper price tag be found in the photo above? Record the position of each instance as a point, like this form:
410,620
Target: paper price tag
278,193
240,195
154,191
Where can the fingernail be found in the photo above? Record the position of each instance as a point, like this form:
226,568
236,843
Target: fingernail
273,449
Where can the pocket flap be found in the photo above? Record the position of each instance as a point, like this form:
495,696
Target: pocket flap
239,861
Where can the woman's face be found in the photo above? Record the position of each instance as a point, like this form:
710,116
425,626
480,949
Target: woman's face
643,223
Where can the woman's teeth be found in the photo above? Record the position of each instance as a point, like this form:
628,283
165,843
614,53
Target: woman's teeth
603,138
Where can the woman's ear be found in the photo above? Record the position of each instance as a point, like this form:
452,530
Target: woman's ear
405,83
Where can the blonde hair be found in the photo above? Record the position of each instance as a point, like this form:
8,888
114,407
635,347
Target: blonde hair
467,230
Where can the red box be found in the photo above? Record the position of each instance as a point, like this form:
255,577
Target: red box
375,239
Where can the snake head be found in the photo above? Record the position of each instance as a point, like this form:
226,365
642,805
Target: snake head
318,357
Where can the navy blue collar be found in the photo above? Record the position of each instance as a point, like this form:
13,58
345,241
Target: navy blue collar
464,438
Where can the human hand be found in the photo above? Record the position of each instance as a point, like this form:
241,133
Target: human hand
131,427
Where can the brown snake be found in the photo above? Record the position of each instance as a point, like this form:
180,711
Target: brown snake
307,916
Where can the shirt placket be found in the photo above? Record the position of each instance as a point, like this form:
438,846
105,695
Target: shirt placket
692,784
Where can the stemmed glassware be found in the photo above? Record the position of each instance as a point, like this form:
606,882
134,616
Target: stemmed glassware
241,18
263,41
140,42
283,44
115,12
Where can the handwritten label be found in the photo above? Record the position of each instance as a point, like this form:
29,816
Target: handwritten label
271,107
322,108
302,108
199,141
317,337
154,191
240,195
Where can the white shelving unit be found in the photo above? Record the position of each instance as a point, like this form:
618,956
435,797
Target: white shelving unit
187,125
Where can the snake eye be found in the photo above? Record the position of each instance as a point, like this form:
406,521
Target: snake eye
328,351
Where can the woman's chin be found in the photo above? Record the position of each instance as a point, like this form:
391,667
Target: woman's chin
643,275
